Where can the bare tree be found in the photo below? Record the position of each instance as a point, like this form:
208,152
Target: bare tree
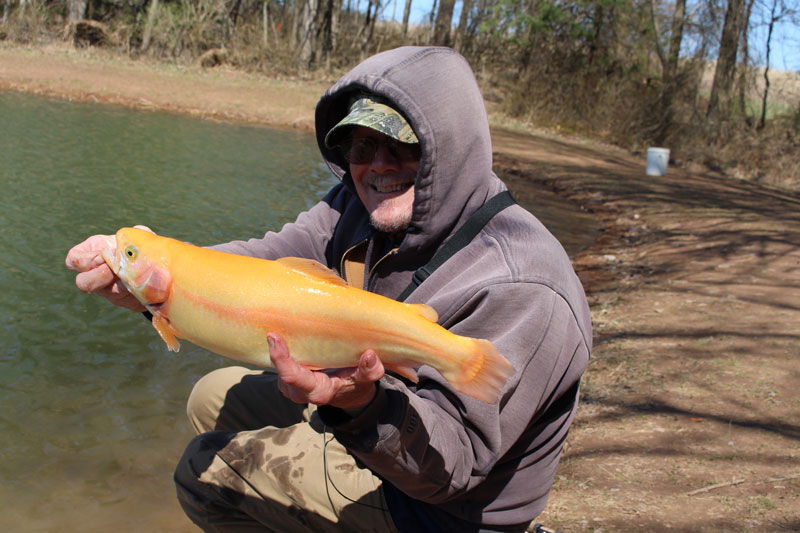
444,19
77,10
330,11
745,57
308,32
669,66
466,6
778,11
148,26
719,107
7,11
434,6
406,14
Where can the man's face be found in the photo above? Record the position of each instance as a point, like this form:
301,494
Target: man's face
384,180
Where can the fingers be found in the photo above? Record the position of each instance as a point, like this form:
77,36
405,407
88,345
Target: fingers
347,388
287,368
94,279
87,255
95,276
296,383
118,295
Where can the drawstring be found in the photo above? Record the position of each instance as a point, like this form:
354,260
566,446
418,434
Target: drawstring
328,479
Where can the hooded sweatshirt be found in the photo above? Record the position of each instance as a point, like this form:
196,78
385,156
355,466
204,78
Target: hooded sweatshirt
450,462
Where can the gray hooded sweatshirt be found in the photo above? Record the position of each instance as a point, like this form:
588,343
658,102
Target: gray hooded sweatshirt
450,462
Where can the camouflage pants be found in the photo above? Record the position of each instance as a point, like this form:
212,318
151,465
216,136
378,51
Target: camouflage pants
262,462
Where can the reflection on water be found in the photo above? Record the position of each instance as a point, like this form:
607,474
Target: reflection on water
93,405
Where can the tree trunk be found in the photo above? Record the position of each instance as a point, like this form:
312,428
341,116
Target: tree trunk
294,34
77,10
329,21
308,39
369,26
406,14
719,104
669,71
7,11
444,19
678,19
434,5
234,13
265,22
763,121
152,12
742,78
462,25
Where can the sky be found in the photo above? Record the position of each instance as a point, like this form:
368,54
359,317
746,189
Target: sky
784,54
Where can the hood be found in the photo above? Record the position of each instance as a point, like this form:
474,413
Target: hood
437,92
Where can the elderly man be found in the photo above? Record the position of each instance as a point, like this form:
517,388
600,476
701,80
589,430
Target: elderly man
418,215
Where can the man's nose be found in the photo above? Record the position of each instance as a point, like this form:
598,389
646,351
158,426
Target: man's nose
385,159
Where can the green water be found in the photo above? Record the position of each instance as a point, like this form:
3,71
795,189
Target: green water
92,419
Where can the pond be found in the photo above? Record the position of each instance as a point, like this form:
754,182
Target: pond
93,417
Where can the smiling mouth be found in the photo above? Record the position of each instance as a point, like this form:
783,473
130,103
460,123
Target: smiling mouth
385,189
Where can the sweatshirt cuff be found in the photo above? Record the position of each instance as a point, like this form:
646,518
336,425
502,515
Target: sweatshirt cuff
355,422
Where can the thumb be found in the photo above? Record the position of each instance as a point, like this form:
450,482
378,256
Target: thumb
370,368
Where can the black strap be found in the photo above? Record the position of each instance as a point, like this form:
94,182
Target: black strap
462,237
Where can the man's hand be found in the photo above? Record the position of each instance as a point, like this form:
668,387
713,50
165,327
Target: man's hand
94,275
346,388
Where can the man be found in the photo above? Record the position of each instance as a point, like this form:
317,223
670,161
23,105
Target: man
359,449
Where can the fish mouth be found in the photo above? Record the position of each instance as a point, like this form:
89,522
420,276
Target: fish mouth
112,259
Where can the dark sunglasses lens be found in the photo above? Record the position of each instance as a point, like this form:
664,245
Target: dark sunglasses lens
408,152
361,151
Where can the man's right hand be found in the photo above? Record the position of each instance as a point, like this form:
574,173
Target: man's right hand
94,275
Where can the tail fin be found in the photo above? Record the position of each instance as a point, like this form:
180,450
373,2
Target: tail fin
484,376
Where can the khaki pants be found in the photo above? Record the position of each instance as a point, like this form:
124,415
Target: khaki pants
262,462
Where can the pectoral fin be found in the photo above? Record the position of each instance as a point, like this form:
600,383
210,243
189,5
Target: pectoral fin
167,332
408,372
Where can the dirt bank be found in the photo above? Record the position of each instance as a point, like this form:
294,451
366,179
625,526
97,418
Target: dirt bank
690,417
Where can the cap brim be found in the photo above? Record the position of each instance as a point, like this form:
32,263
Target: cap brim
370,114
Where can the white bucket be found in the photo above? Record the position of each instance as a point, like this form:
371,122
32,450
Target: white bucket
657,160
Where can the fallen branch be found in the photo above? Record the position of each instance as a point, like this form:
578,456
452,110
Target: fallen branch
739,481
782,478
714,487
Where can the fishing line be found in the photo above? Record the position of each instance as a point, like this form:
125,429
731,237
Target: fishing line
325,442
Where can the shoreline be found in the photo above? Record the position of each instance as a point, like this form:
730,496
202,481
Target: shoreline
97,76
694,286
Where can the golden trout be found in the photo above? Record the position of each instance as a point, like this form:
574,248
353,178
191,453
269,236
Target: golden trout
228,303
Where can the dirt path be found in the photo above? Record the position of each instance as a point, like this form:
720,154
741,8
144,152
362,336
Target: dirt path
695,294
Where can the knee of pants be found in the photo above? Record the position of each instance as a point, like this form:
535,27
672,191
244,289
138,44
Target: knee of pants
198,456
208,396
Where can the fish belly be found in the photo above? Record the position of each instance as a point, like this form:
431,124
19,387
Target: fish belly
318,335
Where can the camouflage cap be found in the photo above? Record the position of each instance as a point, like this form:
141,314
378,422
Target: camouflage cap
368,112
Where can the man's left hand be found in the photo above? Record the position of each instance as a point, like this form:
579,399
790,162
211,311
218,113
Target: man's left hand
346,388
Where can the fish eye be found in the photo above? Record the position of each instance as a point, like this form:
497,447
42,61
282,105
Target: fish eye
131,251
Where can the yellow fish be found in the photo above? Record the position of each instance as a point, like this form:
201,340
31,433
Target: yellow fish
228,303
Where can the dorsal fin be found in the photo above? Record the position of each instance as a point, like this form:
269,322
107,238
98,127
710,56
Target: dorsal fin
312,269
426,311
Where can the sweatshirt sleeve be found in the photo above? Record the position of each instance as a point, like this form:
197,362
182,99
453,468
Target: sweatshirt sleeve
307,236
434,444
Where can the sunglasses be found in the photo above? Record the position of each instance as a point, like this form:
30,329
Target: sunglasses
362,150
